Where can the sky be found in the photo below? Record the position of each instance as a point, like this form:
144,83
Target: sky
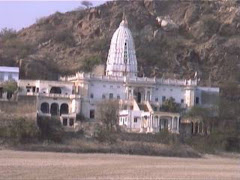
20,14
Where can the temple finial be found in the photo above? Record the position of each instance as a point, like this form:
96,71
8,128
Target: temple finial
124,18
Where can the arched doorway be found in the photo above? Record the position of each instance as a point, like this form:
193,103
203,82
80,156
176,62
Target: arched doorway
55,90
54,109
64,109
45,108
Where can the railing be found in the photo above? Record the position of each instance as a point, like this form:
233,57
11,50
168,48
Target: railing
88,76
53,95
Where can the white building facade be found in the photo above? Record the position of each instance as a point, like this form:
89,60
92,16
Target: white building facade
140,98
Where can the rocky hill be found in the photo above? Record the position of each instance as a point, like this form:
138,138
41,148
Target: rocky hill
172,38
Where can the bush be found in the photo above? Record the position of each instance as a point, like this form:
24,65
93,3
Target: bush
166,137
65,37
89,63
104,135
6,34
50,129
19,129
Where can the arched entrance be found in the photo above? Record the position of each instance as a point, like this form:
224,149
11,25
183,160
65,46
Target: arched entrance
64,109
54,109
45,108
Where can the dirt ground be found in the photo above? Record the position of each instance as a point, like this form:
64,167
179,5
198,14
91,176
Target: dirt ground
45,165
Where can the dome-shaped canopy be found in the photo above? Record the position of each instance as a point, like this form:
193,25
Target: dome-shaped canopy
122,59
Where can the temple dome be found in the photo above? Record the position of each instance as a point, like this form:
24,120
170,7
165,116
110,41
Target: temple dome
122,59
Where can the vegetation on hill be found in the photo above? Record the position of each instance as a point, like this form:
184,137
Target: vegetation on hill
205,40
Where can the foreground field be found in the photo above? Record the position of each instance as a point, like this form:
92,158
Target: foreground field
41,165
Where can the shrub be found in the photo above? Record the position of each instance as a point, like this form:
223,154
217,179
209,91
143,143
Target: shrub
170,106
50,129
89,63
167,138
65,37
19,129
104,135
6,34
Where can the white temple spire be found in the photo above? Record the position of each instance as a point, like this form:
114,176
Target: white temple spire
122,59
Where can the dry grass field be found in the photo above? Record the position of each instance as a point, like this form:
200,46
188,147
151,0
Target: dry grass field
45,165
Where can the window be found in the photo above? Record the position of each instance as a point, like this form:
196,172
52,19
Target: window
135,119
175,122
118,87
156,99
111,96
10,77
71,122
1,76
156,89
111,86
1,93
197,100
92,114
103,96
171,89
118,96
65,121
182,101
163,98
104,85
91,96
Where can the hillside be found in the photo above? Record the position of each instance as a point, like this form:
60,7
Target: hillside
204,37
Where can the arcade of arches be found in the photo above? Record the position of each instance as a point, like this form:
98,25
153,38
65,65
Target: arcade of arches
54,109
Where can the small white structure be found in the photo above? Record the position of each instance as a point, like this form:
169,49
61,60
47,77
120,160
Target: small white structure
140,98
7,74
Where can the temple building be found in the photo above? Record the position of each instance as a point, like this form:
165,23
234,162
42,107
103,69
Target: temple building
140,98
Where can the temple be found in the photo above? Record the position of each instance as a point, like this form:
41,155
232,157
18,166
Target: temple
141,99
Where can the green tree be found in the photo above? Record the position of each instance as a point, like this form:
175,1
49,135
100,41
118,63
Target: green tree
170,105
107,114
89,63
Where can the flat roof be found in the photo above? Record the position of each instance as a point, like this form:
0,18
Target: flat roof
9,69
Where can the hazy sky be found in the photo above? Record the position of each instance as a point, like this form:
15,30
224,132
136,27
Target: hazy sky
19,14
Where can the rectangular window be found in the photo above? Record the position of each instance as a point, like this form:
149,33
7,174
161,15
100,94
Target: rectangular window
71,122
182,101
163,98
1,76
1,93
118,97
92,114
135,119
197,100
156,99
111,96
10,77
65,121
103,96
91,96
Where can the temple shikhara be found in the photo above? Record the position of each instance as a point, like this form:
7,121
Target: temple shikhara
141,99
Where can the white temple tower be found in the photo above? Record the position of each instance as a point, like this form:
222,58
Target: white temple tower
122,59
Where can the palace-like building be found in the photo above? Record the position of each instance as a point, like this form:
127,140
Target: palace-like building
140,98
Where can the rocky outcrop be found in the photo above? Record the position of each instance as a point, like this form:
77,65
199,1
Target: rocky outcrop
173,39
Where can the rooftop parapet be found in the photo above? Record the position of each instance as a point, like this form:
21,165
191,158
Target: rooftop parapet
92,77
